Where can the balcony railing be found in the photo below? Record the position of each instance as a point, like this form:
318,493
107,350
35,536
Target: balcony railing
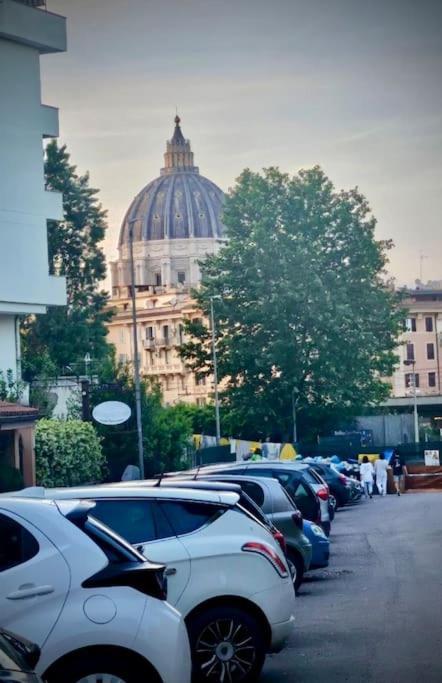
159,342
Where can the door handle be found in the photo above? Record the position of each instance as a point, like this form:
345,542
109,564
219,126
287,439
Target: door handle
29,591
171,571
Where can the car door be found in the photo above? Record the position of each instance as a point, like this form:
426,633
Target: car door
305,499
34,579
142,522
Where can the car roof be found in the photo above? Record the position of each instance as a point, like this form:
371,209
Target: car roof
225,478
182,481
229,498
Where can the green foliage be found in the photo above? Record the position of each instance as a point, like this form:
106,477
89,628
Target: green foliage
166,430
306,315
65,334
11,479
67,453
10,389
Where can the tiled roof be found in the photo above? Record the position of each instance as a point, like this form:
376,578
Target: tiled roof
16,410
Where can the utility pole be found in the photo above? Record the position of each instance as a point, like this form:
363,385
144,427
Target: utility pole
215,372
295,427
416,416
135,349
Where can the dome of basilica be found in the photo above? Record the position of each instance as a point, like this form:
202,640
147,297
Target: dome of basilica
179,204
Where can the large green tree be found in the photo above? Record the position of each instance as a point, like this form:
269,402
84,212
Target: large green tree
305,316
66,334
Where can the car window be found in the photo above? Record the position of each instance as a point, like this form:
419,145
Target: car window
164,527
259,472
17,544
282,501
132,519
253,490
309,477
301,493
289,480
186,517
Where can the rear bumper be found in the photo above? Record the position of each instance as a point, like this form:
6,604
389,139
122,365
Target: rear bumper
280,634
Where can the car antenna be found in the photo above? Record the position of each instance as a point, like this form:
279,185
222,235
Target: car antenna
160,479
197,473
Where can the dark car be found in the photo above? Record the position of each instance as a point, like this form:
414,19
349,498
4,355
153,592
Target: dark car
338,483
291,478
18,657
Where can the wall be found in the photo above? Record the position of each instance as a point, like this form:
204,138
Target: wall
7,343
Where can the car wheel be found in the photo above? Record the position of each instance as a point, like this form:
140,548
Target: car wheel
297,568
227,646
99,668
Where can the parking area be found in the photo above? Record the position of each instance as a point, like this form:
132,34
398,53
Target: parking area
376,613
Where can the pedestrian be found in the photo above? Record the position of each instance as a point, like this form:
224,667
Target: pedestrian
380,469
397,466
366,473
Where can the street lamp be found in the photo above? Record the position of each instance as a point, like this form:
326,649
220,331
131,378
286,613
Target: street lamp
412,362
135,345
215,370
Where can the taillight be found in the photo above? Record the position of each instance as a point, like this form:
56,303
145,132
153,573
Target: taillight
279,537
269,553
322,493
297,518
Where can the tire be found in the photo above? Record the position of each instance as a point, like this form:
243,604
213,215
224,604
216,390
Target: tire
102,665
214,657
298,564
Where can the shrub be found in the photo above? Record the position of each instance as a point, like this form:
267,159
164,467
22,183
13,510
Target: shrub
10,479
67,453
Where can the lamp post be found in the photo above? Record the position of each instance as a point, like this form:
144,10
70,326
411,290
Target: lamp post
135,345
295,427
215,371
416,417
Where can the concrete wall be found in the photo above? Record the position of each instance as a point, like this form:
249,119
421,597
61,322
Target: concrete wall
8,356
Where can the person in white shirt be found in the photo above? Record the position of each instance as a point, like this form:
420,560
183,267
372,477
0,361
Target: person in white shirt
380,469
366,473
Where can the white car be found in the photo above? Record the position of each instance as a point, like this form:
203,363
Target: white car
226,573
92,603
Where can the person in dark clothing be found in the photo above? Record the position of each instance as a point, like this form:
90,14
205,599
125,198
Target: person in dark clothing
397,465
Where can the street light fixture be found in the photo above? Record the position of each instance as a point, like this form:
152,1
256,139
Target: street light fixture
135,345
412,362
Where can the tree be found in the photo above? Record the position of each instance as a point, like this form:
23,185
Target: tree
305,318
65,334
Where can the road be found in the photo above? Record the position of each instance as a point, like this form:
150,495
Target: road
376,614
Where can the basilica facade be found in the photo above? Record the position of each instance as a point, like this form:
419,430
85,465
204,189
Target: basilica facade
174,222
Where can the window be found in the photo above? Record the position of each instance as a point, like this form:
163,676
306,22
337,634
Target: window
410,351
166,332
409,380
17,544
166,357
186,517
150,333
181,275
122,334
430,351
410,324
132,519
429,324
180,334
157,279
200,381
254,491
201,401
431,379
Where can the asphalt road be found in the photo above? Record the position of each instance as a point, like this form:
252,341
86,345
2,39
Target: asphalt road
376,613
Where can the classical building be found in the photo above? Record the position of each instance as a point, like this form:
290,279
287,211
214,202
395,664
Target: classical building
26,32
174,222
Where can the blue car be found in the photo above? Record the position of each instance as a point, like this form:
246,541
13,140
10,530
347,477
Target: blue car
320,544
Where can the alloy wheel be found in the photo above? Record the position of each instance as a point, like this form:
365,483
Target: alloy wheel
225,650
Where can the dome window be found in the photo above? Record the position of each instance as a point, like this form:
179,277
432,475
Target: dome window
202,215
156,217
177,215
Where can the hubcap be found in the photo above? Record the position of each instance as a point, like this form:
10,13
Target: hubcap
101,678
293,571
225,651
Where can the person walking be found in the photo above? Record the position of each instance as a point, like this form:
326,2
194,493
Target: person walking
397,466
380,470
366,473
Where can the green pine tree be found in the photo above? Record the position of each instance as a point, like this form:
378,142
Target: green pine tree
65,334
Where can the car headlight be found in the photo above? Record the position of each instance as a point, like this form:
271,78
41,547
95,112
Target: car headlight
317,530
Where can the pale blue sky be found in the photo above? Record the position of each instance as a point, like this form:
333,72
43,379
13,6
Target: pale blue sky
355,86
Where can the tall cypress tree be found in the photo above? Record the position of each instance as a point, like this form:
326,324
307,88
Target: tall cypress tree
66,334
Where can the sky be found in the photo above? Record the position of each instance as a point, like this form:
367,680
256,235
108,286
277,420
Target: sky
354,86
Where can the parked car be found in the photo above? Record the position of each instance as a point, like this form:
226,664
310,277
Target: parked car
338,484
292,477
281,510
322,490
320,545
18,657
226,573
92,603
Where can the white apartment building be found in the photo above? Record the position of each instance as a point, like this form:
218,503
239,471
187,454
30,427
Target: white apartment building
27,31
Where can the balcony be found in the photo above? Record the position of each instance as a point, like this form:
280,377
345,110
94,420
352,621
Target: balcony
164,342
20,22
